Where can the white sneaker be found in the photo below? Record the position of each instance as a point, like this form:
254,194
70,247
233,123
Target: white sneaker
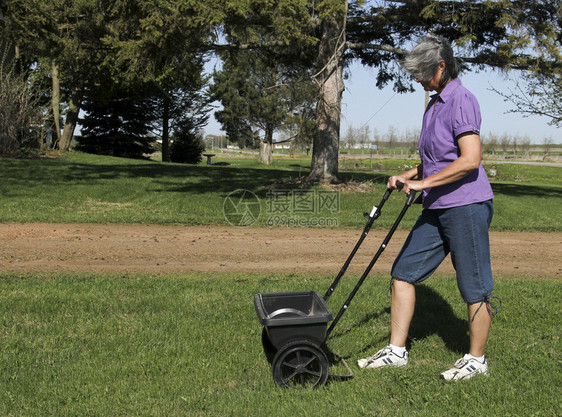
465,368
384,357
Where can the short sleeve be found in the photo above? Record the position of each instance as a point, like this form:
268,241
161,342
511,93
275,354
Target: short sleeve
466,114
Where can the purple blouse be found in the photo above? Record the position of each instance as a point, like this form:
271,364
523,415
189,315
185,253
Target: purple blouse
453,112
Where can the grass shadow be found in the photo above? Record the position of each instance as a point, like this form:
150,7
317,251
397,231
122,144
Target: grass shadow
199,179
433,316
519,190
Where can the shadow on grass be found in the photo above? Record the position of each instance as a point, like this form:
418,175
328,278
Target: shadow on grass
433,316
526,190
193,178
160,177
198,179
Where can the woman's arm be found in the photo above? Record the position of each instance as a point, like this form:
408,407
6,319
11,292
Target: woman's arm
468,161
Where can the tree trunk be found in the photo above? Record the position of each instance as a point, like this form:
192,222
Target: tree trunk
266,148
55,99
324,166
71,120
166,131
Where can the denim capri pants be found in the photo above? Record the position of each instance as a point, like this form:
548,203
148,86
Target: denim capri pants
462,232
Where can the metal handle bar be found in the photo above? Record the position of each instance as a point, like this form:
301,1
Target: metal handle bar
409,202
375,214
412,195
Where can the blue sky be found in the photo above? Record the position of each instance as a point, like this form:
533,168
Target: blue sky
363,103
362,99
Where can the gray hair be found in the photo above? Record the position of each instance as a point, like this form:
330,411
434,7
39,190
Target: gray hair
424,59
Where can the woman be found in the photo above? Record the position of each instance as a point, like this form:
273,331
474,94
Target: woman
457,202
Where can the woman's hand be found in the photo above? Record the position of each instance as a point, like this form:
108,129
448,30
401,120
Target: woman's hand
406,179
412,185
392,181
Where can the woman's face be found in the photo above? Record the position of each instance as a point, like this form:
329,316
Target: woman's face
433,84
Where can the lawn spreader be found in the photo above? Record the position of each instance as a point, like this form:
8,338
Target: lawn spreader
295,323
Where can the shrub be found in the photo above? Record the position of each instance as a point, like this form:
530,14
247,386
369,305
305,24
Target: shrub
187,147
18,110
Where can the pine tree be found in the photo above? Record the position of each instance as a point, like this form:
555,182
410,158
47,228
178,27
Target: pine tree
117,126
187,146
262,93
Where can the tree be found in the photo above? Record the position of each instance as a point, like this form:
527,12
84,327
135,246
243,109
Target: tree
96,44
376,140
504,143
503,34
160,43
262,93
187,146
251,94
547,146
489,143
117,126
329,77
391,137
411,138
526,145
56,35
350,138
19,108
542,95
364,137
299,129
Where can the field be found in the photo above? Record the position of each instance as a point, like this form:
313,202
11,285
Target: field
124,290
134,345
82,188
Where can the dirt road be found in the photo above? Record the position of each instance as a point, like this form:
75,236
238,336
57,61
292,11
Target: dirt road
99,248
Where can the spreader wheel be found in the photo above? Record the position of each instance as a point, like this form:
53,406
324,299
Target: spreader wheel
300,365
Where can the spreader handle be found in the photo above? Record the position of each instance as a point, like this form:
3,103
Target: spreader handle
409,202
412,195
372,216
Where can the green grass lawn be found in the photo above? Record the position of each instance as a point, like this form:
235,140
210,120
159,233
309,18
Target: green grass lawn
140,345
89,188
118,345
